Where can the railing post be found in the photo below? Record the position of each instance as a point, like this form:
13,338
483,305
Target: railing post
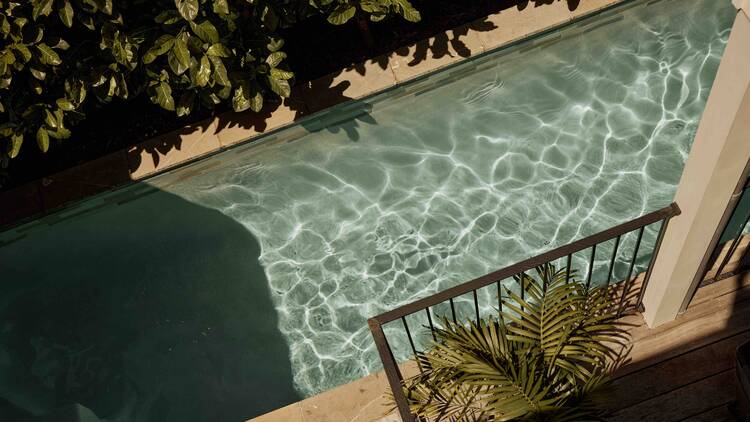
654,255
391,369
717,159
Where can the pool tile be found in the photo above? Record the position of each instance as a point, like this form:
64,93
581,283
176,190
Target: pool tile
354,82
433,53
87,179
173,148
233,128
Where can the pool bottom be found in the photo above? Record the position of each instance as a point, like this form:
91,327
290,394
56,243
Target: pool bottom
126,331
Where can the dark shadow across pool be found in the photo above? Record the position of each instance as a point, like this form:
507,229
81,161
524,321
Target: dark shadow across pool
155,312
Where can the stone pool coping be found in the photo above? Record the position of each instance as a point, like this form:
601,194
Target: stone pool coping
199,140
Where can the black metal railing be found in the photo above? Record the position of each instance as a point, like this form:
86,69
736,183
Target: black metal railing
446,299
731,235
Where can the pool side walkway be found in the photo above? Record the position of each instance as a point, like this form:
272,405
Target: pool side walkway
208,137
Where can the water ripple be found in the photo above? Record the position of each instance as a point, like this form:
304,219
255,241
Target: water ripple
542,148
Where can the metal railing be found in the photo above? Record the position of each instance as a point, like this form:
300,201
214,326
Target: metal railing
734,230
637,227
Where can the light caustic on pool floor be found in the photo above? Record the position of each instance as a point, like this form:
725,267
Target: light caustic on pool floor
431,190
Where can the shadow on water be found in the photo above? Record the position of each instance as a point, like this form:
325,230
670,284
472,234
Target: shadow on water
151,310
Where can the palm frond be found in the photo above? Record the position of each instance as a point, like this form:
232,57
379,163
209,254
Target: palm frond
550,350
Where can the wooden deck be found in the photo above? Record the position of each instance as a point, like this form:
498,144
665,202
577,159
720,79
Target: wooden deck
684,370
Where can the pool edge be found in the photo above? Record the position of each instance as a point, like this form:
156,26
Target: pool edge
226,131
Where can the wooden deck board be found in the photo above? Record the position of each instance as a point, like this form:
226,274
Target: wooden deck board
704,324
684,402
677,372
684,370
717,414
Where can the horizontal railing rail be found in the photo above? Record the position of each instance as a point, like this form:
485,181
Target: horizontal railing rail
617,233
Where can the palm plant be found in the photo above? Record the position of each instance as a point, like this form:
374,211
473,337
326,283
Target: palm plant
551,349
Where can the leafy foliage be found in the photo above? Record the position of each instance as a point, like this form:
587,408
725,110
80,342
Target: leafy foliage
59,57
542,361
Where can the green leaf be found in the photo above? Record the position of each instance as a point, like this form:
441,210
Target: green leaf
41,8
39,74
221,7
36,86
241,97
256,102
7,58
5,82
48,55
34,35
163,96
51,120
88,22
24,52
15,144
341,14
75,90
269,18
275,44
218,50
281,74
20,22
220,72
206,31
59,133
279,86
161,46
42,139
372,7
66,13
179,57
122,51
275,58
59,44
112,87
4,25
65,104
185,105
122,86
188,8
408,11
168,17
204,72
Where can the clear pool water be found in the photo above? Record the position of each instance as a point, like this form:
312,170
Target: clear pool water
243,282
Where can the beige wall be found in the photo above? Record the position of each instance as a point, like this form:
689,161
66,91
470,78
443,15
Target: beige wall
716,162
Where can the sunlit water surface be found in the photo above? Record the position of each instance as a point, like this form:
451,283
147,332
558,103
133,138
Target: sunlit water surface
531,151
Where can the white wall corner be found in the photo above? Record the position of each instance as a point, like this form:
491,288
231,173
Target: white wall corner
743,5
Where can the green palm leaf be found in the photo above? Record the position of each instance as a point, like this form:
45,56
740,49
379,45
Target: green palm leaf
551,349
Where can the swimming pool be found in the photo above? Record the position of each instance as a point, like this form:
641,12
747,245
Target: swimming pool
243,282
